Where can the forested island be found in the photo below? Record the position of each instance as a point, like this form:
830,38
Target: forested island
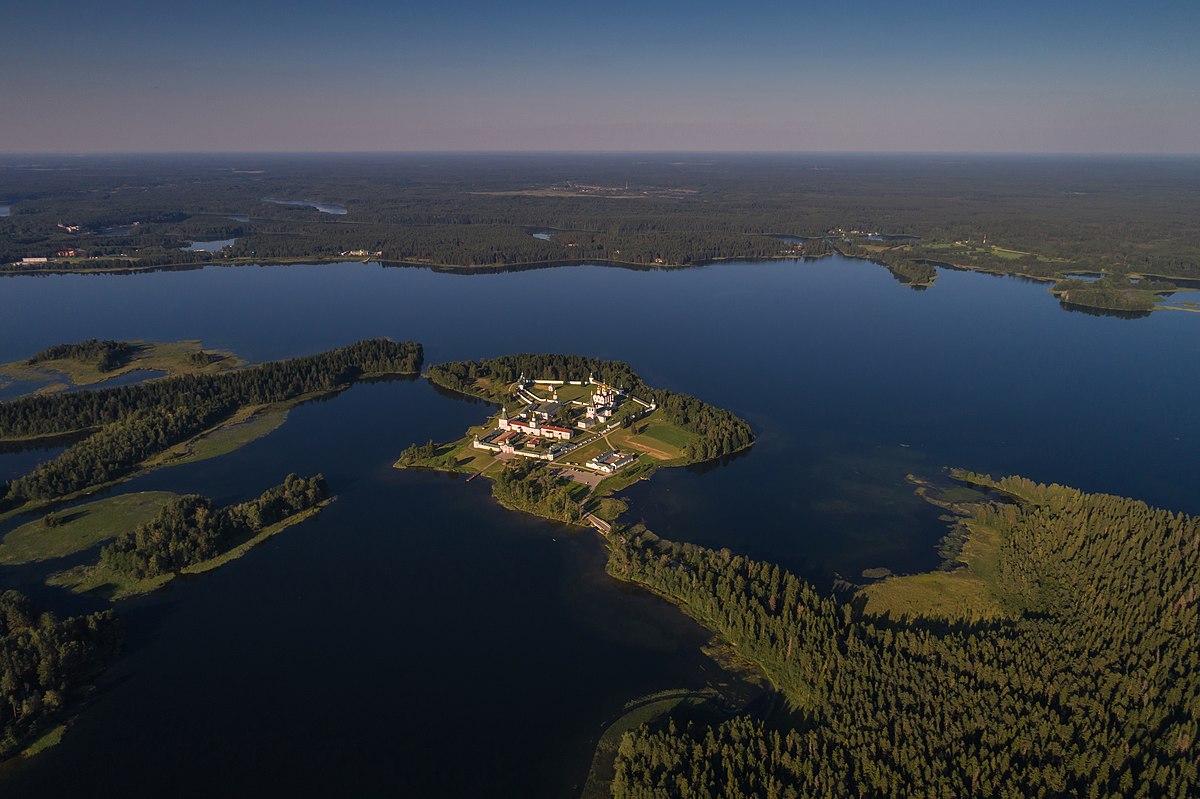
95,361
583,428
136,427
191,535
1121,219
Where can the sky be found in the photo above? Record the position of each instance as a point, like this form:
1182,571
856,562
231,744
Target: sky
1054,76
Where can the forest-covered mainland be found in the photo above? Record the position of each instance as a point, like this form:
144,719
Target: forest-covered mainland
719,432
129,424
45,663
1090,688
1033,215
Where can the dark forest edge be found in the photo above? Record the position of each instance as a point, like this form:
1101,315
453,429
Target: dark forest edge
46,667
130,427
1090,686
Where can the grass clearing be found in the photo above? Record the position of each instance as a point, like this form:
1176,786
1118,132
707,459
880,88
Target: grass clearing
115,586
964,594
82,527
625,438
668,433
646,710
50,738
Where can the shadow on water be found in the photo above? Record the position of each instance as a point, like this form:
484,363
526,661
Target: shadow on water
1110,313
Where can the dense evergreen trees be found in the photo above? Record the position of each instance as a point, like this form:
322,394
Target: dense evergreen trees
1092,689
44,663
190,529
135,422
105,355
530,486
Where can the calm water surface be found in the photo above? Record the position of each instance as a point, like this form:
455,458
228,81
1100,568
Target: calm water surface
215,245
414,626
325,208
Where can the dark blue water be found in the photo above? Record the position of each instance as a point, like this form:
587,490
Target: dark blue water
414,626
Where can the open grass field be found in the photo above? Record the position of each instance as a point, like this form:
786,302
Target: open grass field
964,594
667,433
82,527
248,424
565,393
660,440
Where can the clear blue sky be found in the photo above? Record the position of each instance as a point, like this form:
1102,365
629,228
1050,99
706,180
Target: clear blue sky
971,75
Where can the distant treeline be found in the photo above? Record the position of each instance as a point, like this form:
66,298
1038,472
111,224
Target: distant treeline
45,662
1092,689
720,431
190,529
105,354
132,423
1119,216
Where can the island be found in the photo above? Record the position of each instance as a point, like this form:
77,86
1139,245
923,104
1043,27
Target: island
189,535
97,362
571,431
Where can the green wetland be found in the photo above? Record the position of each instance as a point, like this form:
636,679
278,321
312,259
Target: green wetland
416,637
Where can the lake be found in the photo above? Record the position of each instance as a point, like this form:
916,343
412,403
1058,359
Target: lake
216,245
417,638
324,208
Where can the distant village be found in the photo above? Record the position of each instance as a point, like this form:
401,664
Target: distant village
550,426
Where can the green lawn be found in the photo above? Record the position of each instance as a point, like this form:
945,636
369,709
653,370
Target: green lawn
668,433
84,526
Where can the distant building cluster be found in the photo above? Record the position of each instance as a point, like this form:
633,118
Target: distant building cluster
547,428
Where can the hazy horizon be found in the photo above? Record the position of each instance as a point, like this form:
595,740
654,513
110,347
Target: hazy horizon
134,77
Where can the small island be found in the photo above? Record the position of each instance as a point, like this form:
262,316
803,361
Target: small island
189,535
571,431
96,362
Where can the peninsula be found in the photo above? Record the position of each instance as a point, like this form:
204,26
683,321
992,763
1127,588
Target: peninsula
1075,613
